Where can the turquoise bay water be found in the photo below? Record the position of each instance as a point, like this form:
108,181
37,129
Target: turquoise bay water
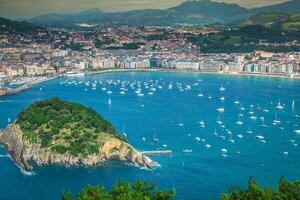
173,115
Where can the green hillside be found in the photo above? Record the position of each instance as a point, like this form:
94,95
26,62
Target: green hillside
245,39
274,20
63,126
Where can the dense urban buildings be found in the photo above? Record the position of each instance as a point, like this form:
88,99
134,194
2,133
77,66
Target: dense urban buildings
53,52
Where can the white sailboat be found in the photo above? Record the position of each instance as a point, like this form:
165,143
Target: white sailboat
200,94
222,88
109,102
265,109
261,138
241,107
279,106
219,120
249,130
253,117
297,131
263,122
187,150
251,110
220,110
276,121
215,133
123,132
155,139
239,122
293,105
236,101
224,152
202,124
240,136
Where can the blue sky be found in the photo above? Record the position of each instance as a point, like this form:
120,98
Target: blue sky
29,8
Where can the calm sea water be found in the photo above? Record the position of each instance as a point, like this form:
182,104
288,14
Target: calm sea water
173,115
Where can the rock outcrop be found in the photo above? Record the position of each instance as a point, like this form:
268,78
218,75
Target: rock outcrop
23,151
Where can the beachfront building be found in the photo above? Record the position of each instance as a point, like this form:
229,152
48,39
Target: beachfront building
270,68
138,63
187,65
84,65
14,71
259,68
234,67
212,66
103,63
35,70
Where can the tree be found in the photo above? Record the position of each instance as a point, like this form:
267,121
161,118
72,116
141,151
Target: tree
286,191
122,190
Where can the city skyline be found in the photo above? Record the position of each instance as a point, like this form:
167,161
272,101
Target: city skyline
15,9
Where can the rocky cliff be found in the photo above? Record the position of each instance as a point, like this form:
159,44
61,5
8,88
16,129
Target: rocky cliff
23,151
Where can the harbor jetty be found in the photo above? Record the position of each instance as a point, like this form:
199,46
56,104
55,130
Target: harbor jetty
156,152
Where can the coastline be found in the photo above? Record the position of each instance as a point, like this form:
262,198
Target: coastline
22,151
26,86
194,71
35,82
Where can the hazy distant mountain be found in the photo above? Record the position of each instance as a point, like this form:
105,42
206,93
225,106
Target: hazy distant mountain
192,12
11,26
53,19
292,6
219,12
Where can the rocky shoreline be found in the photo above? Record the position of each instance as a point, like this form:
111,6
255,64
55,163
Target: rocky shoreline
22,152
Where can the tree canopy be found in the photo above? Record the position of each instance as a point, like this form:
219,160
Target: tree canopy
65,127
286,191
140,190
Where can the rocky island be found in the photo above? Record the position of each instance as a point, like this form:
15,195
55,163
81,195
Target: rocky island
59,132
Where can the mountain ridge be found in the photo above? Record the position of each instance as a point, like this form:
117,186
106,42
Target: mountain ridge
190,12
